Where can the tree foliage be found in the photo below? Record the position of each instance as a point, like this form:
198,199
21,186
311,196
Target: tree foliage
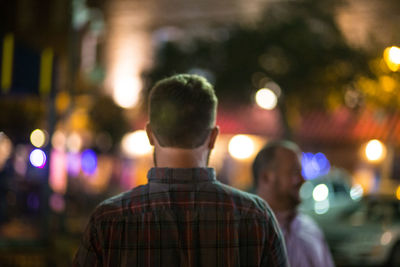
296,44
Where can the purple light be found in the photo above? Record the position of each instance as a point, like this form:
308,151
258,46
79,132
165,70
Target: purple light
89,162
73,164
38,158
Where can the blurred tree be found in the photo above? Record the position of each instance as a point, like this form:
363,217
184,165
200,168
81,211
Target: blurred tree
19,116
296,44
108,119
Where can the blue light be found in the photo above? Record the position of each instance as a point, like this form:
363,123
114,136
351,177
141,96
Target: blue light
314,165
89,162
321,160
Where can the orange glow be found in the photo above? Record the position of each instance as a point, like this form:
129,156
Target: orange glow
99,181
398,193
365,178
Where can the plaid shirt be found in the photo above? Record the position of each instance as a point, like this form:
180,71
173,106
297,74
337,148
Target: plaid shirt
182,217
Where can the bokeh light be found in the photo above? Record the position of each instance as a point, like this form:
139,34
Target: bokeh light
386,238
356,192
5,149
314,165
322,207
74,142
320,192
21,159
59,140
38,138
38,158
89,162
136,144
394,54
375,150
126,91
266,99
58,171
73,164
241,147
306,190
391,56
398,192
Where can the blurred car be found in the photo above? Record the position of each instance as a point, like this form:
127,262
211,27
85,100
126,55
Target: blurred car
368,234
326,197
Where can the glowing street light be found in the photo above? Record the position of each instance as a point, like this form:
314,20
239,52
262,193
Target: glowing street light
136,144
126,92
266,98
320,192
241,147
391,56
38,158
375,150
38,138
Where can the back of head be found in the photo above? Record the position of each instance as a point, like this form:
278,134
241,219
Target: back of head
266,157
182,110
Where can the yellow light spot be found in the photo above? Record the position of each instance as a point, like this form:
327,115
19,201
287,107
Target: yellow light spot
38,138
241,147
398,193
62,102
388,83
375,150
79,119
392,57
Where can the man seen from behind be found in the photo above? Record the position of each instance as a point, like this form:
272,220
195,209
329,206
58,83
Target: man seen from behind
183,216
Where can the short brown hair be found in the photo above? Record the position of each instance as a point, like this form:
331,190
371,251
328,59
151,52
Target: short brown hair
182,110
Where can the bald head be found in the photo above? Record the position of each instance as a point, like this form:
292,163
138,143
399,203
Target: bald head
277,174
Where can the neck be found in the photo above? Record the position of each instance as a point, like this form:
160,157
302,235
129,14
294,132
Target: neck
167,157
275,203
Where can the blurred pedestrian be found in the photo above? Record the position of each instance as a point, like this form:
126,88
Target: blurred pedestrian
183,216
277,179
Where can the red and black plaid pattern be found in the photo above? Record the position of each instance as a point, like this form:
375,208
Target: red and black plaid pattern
182,217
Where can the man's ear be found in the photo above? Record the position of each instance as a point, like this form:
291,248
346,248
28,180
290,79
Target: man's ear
213,137
150,135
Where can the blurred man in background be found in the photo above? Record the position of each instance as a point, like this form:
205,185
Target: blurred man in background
183,216
277,179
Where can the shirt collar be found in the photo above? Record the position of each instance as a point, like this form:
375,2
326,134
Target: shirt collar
181,175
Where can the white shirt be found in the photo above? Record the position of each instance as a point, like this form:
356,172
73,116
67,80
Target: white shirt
305,243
